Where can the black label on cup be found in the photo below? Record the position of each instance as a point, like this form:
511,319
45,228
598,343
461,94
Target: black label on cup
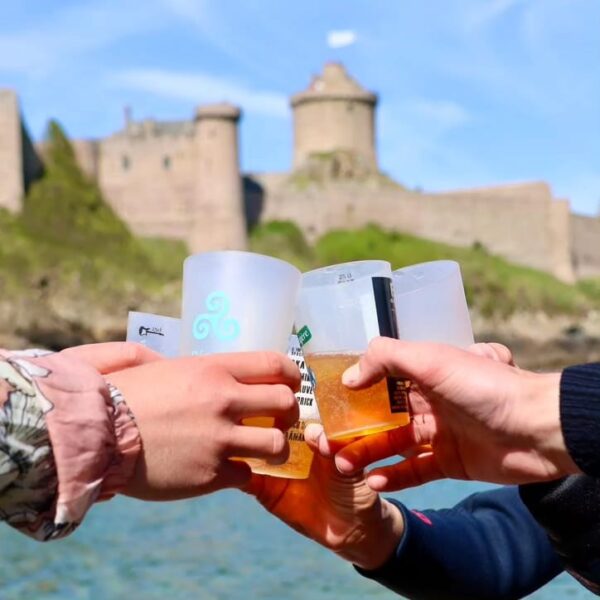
388,327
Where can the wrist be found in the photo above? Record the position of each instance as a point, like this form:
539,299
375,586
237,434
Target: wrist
543,401
381,538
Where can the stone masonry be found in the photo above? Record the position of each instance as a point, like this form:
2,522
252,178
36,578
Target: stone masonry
181,179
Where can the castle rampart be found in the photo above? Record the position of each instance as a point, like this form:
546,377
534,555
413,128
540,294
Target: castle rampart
181,180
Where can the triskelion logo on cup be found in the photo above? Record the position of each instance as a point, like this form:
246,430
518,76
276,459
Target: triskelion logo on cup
215,320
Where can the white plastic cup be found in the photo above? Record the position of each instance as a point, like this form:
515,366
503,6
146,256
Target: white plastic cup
236,302
157,332
431,305
340,310
337,306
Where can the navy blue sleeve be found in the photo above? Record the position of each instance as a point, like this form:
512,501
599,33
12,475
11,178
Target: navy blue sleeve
580,415
488,546
569,511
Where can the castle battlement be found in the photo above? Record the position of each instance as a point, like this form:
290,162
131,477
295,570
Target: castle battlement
181,179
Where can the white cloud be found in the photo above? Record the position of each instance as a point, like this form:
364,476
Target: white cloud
341,38
201,88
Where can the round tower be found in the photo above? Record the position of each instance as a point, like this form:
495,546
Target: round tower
335,114
218,221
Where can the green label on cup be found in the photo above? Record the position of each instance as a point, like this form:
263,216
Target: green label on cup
304,335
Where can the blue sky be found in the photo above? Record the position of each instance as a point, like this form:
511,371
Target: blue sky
472,92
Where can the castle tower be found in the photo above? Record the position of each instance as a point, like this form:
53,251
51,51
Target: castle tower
12,180
334,114
218,220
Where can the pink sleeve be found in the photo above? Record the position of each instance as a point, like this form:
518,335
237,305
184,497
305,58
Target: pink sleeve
75,442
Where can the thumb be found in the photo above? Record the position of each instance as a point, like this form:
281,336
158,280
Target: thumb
422,362
113,356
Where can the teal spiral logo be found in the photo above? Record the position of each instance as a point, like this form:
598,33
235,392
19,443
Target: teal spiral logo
215,320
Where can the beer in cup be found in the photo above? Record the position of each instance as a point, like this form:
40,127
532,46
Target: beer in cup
340,309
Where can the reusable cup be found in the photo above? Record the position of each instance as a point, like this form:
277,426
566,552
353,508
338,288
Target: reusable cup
237,301
431,305
340,309
157,332
240,301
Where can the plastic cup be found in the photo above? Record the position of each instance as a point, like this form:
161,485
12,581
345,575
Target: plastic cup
241,302
340,310
431,305
301,456
237,301
157,332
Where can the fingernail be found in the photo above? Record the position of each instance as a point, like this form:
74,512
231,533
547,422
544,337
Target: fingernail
313,432
343,465
351,375
376,482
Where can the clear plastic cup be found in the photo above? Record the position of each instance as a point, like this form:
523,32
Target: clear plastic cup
431,305
340,310
301,456
237,301
157,332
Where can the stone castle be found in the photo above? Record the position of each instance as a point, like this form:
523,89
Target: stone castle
181,179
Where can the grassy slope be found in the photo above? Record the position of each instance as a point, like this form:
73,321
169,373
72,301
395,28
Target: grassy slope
494,286
67,240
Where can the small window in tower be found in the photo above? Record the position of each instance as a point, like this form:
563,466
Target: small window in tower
166,162
125,162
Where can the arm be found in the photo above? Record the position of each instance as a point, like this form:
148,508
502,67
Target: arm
55,462
488,546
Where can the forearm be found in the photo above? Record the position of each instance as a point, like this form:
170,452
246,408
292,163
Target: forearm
66,441
488,546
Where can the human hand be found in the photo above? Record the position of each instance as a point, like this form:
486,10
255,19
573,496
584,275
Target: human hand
472,418
112,356
340,512
189,413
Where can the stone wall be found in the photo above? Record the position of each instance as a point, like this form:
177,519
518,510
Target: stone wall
585,245
332,125
522,223
148,174
12,181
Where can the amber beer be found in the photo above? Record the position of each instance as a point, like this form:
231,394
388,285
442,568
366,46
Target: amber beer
348,413
301,456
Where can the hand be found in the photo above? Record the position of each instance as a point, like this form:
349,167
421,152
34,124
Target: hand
472,418
337,511
112,356
189,414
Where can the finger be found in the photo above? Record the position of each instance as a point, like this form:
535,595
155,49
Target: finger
408,473
260,367
276,401
113,356
315,437
493,351
370,449
259,442
418,361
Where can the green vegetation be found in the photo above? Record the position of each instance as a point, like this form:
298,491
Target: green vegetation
68,238
494,286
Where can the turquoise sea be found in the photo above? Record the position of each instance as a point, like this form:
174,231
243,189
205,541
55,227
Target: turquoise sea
220,547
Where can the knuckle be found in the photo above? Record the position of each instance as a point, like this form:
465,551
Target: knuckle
273,363
287,400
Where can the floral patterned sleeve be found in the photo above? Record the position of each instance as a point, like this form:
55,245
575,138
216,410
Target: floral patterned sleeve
67,440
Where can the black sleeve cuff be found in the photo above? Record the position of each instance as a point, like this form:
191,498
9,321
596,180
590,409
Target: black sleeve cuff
580,415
